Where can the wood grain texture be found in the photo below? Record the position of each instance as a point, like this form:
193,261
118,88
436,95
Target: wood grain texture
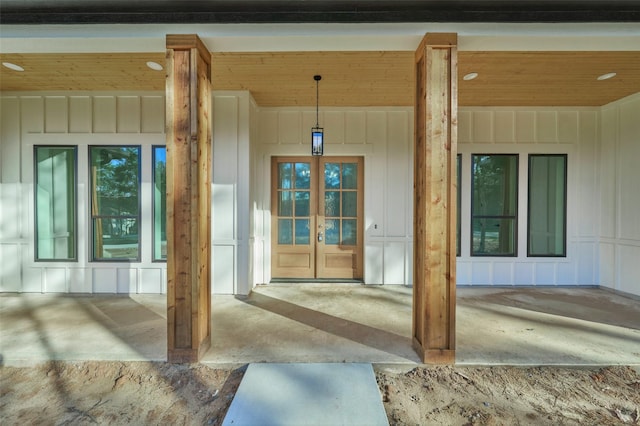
188,204
434,205
349,78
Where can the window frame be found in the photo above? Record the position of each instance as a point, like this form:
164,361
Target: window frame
566,190
514,216
92,253
74,258
153,203
458,205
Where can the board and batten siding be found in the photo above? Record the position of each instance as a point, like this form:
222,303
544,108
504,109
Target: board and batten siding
384,137
81,119
619,200
603,229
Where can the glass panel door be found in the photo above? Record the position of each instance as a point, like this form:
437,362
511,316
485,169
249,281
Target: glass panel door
316,209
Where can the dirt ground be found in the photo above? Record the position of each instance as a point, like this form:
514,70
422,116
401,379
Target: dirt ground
119,393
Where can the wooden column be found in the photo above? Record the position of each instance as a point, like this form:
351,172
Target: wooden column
434,253
189,165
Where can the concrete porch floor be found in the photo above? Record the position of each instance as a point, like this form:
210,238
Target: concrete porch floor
330,323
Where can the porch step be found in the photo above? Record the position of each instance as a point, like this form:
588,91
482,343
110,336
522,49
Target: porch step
307,394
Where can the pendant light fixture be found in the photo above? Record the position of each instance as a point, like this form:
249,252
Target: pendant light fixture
317,133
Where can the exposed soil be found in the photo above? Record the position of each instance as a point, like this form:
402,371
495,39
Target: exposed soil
118,393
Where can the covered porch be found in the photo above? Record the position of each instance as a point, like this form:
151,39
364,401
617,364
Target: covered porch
330,323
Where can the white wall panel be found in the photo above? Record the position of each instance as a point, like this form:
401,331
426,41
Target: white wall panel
10,279
465,127
268,126
607,265
289,127
10,201
9,142
333,124
128,114
394,257
32,114
586,256
565,273
152,114
397,184
504,126
104,114
546,127
568,127
502,273
629,269
463,273
223,267
587,173
525,126
545,273
55,114
127,280
80,114
32,280
150,280
608,173
105,280
355,127
481,273
374,263
523,273
375,174
483,126
79,280
55,280
628,170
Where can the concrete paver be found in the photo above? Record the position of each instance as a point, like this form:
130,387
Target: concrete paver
307,394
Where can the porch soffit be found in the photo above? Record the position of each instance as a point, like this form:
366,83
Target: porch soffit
350,78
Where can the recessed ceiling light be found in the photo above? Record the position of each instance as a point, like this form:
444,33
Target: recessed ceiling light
154,66
13,66
470,76
607,76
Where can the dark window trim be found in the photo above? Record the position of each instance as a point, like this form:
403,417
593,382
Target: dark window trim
92,257
153,203
458,205
564,236
515,217
75,203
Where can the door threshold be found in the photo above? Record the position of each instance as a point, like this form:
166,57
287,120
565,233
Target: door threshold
315,281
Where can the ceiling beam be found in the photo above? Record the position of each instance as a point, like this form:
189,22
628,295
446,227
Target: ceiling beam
295,11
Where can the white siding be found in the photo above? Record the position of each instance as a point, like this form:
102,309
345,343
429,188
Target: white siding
619,201
603,243
80,119
384,137
524,131
230,210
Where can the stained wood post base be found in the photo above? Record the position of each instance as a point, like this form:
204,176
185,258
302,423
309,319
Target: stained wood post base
188,356
434,356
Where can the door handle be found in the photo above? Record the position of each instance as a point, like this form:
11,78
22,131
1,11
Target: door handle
320,237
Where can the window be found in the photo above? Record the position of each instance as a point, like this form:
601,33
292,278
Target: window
55,202
547,216
159,203
115,202
494,205
459,202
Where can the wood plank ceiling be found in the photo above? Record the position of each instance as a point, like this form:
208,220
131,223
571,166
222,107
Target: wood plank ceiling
349,78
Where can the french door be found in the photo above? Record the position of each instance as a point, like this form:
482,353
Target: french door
317,207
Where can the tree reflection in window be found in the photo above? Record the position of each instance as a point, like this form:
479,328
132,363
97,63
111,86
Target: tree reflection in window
494,205
115,202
